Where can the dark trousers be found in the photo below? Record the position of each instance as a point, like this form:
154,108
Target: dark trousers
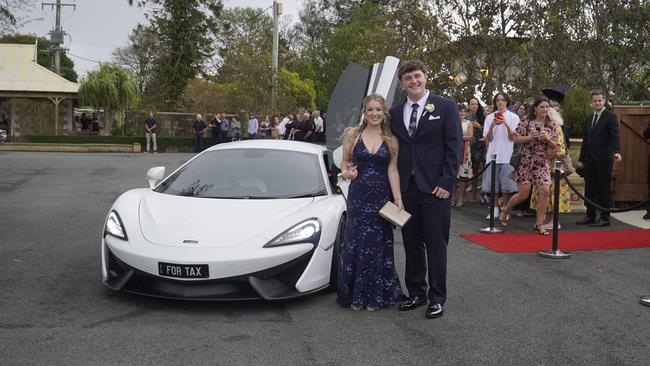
425,243
198,142
216,138
598,183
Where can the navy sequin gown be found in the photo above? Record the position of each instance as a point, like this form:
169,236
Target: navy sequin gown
367,274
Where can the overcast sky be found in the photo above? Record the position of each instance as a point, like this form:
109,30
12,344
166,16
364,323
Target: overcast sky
96,27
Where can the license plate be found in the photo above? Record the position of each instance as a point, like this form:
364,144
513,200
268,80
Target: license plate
183,270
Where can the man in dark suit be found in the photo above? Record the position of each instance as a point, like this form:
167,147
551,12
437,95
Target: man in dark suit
600,147
428,129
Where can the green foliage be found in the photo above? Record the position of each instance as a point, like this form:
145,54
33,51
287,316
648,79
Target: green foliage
294,92
44,56
184,29
577,106
139,54
111,87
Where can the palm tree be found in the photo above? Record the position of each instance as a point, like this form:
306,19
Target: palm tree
111,87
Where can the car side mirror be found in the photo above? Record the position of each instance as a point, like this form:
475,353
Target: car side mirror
155,175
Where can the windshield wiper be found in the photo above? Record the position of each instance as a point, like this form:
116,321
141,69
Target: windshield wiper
304,195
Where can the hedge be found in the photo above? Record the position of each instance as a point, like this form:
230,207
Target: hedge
92,139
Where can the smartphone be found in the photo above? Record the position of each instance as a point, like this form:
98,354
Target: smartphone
538,126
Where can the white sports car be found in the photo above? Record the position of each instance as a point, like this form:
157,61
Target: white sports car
242,220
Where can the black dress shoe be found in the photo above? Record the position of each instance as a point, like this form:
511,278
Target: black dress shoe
599,223
434,311
586,221
412,303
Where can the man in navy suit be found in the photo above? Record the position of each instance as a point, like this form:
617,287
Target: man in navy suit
428,129
600,147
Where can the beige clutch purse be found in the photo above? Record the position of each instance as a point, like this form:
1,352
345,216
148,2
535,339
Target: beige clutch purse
391,213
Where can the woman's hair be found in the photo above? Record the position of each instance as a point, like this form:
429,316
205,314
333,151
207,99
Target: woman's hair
539,100
462,107
480,118
352,134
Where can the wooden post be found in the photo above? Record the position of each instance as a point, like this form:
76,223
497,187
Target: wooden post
56,101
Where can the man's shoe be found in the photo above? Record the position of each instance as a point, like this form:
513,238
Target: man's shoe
586,221
434,311
645,300
412,303
599,223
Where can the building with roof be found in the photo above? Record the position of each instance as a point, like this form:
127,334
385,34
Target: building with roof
33,99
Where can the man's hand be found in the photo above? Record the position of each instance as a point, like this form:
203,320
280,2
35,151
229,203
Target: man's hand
617,157
440,193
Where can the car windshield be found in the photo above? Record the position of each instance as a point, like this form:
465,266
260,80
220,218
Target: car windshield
248,173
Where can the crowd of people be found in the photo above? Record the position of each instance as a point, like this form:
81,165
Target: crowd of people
526,138
305,126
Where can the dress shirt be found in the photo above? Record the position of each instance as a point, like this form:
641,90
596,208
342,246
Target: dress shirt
408,109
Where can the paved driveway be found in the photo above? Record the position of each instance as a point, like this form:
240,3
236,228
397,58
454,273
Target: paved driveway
502,308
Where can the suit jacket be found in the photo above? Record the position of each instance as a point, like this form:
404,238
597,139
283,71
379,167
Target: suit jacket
434,152
600,143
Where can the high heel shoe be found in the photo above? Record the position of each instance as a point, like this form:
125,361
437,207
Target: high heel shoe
504,219
539,229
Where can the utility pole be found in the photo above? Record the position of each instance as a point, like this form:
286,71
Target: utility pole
277,11
56,35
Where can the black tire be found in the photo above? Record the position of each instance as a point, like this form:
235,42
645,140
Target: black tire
336,254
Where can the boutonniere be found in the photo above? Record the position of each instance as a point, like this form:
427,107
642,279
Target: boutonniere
429,107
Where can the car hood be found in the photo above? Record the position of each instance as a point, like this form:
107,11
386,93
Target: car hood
206,222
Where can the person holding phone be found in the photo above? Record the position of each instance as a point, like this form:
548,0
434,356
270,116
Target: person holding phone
538,138
498,133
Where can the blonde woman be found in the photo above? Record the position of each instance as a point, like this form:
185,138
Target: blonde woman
565,195
367,275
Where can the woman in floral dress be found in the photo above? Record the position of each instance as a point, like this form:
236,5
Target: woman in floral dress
537,137
565,193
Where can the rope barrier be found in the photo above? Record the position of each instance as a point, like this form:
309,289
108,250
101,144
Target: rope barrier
475,175
597,206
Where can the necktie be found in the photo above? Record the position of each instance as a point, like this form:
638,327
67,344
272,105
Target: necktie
593,123
413,122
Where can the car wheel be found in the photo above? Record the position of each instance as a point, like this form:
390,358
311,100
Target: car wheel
336,255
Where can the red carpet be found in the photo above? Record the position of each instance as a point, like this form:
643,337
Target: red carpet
567,241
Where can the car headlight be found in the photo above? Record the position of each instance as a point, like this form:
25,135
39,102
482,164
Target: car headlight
306,231
114,226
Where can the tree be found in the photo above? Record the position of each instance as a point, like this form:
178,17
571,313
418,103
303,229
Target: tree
139,55
111,87
184,28
43,57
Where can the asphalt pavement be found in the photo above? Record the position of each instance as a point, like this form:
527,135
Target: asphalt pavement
502,309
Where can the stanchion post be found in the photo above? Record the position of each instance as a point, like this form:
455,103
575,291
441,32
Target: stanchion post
555,252
493,183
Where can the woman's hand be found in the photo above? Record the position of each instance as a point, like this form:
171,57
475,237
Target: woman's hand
399,204
351,172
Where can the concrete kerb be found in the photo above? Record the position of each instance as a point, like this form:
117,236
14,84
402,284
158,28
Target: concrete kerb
46,147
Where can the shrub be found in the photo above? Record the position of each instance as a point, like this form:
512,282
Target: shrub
576,108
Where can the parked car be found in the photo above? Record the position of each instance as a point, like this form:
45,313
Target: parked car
241,220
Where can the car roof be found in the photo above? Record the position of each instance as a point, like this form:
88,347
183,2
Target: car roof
272,144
